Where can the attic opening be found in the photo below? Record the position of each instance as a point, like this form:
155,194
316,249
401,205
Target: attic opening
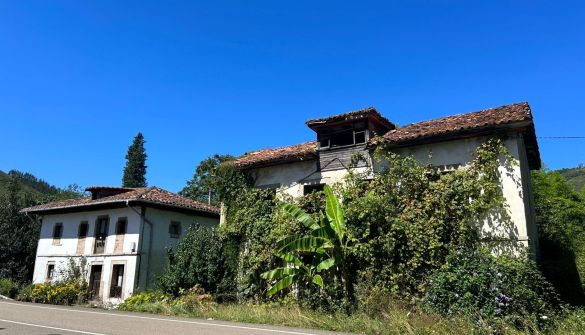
98,192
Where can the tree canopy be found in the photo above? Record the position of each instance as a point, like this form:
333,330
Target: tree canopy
206,180
135,170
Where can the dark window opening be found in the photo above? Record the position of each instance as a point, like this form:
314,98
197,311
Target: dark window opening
342,139
175,229
57,233
121,226
117,281
50,271
360,137
101,234
308,189
82,232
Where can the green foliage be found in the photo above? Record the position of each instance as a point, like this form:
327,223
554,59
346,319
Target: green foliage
560,216
408,217
324,249
135,169
18,235
206,181
145,297
575,177
201,258
8,287
492,290
60,293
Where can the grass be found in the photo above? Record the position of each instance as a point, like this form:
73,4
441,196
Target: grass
392,318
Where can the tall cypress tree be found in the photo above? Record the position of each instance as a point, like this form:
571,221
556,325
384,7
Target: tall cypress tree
135,170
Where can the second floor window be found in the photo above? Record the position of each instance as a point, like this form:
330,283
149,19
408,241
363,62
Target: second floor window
175,229
101,234
57,233
83,227
121,226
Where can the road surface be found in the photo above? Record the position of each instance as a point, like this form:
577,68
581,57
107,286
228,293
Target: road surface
35,319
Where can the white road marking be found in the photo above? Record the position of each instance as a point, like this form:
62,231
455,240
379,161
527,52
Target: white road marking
161,319
54,328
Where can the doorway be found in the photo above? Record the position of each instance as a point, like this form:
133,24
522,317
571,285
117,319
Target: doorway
95,279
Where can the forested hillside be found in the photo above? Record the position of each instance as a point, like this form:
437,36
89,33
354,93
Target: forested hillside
575,176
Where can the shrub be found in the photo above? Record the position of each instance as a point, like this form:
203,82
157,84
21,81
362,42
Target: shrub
134,302
8,288
199,259
60,293
476,284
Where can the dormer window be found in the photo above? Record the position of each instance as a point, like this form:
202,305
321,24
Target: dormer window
342,136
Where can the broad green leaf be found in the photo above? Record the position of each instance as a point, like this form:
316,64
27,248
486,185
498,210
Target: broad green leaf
324,232
279,273
282,284
304,244
326,264
334,212
300,215
318,280
290,258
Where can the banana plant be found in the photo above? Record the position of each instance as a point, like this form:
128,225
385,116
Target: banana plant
327,244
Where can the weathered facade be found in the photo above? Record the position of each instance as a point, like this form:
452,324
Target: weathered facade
446,143
123,234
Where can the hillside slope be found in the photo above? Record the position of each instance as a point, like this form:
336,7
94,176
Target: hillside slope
575,176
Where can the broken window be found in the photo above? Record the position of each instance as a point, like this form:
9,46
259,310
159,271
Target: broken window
57,233
175,229
342,135
117,281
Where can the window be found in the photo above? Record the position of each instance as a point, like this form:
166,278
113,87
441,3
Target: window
308,189
121,226
101,234
50,271
57,233
82,231
341,136
117,281
175,229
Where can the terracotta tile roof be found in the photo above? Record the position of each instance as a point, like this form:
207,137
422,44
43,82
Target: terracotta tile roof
364,113
295,152
518,114
457,124
142,195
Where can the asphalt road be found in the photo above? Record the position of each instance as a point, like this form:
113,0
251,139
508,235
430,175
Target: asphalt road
35,319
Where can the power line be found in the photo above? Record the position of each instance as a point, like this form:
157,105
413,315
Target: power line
561,137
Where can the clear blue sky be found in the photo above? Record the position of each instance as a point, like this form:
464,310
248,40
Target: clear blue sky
79,79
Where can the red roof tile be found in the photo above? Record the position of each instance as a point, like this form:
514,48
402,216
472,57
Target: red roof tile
295,152
453,126
365,113
460,123
144,195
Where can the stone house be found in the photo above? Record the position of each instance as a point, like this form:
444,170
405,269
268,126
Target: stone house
445,143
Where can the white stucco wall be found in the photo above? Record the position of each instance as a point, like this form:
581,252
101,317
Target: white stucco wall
515,181
60,254
154,256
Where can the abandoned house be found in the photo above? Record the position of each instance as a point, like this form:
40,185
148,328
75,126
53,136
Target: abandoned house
445,143
122,232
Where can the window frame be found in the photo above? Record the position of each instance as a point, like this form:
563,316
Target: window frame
50,271
83,224
175,233
117,291
58,226
121,222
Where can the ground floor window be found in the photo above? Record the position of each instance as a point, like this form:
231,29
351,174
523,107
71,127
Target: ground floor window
117,281
50,271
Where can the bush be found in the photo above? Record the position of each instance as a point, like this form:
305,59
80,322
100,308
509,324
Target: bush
199,259
497,289
61,293
8,288
134,302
